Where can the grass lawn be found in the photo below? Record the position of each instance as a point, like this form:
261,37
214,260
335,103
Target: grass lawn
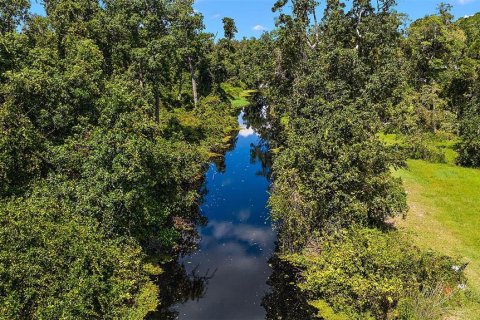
444,215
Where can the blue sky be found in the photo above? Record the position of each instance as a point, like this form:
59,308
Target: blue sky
254,16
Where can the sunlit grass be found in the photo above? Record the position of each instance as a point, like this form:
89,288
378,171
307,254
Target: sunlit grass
444,215
240,102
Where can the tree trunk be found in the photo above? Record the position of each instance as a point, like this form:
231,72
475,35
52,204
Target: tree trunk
157,106
180,86
194,81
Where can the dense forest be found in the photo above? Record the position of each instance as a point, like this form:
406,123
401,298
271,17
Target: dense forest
112,110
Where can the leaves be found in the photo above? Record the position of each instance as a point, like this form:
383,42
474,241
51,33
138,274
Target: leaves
366,272
99,159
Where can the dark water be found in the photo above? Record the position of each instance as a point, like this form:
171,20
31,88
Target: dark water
235,274
238,239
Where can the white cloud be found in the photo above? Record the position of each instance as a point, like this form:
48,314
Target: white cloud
244,214
259,27
244,132
253,235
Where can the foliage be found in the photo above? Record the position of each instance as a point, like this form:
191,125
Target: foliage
436,148
335,84
468,116
438,73
285,299
421,146
231,90
326,312
102,151
12,12
435,45
324,182
56,264
254,60
430,303
332,170
229,28
471,26
361,271
110,109
469,147
20,152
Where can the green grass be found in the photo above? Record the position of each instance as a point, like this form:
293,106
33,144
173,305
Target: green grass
237,93
440,143
390,139
240,102
444,215
241,99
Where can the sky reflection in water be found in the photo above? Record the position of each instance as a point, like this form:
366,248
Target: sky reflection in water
237,242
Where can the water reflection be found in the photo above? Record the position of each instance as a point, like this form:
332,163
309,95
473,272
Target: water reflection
259,153
246,132
230,276
285,301
237,241
179,286
258,116
219,161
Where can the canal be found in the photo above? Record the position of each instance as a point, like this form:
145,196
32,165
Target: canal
238,239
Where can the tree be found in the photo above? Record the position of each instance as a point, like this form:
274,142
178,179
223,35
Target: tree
22,150
332,171
469,147
90,170
254,60
370,274
303,20
229,27
12,13
55,264
434,47
471,27
333,191
438,70
191,44
72,19
432,111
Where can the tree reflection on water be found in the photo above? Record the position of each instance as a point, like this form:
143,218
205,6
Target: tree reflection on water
238,240
177,286
285,301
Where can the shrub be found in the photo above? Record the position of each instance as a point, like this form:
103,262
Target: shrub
233,90
56,265
367,271
422,147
